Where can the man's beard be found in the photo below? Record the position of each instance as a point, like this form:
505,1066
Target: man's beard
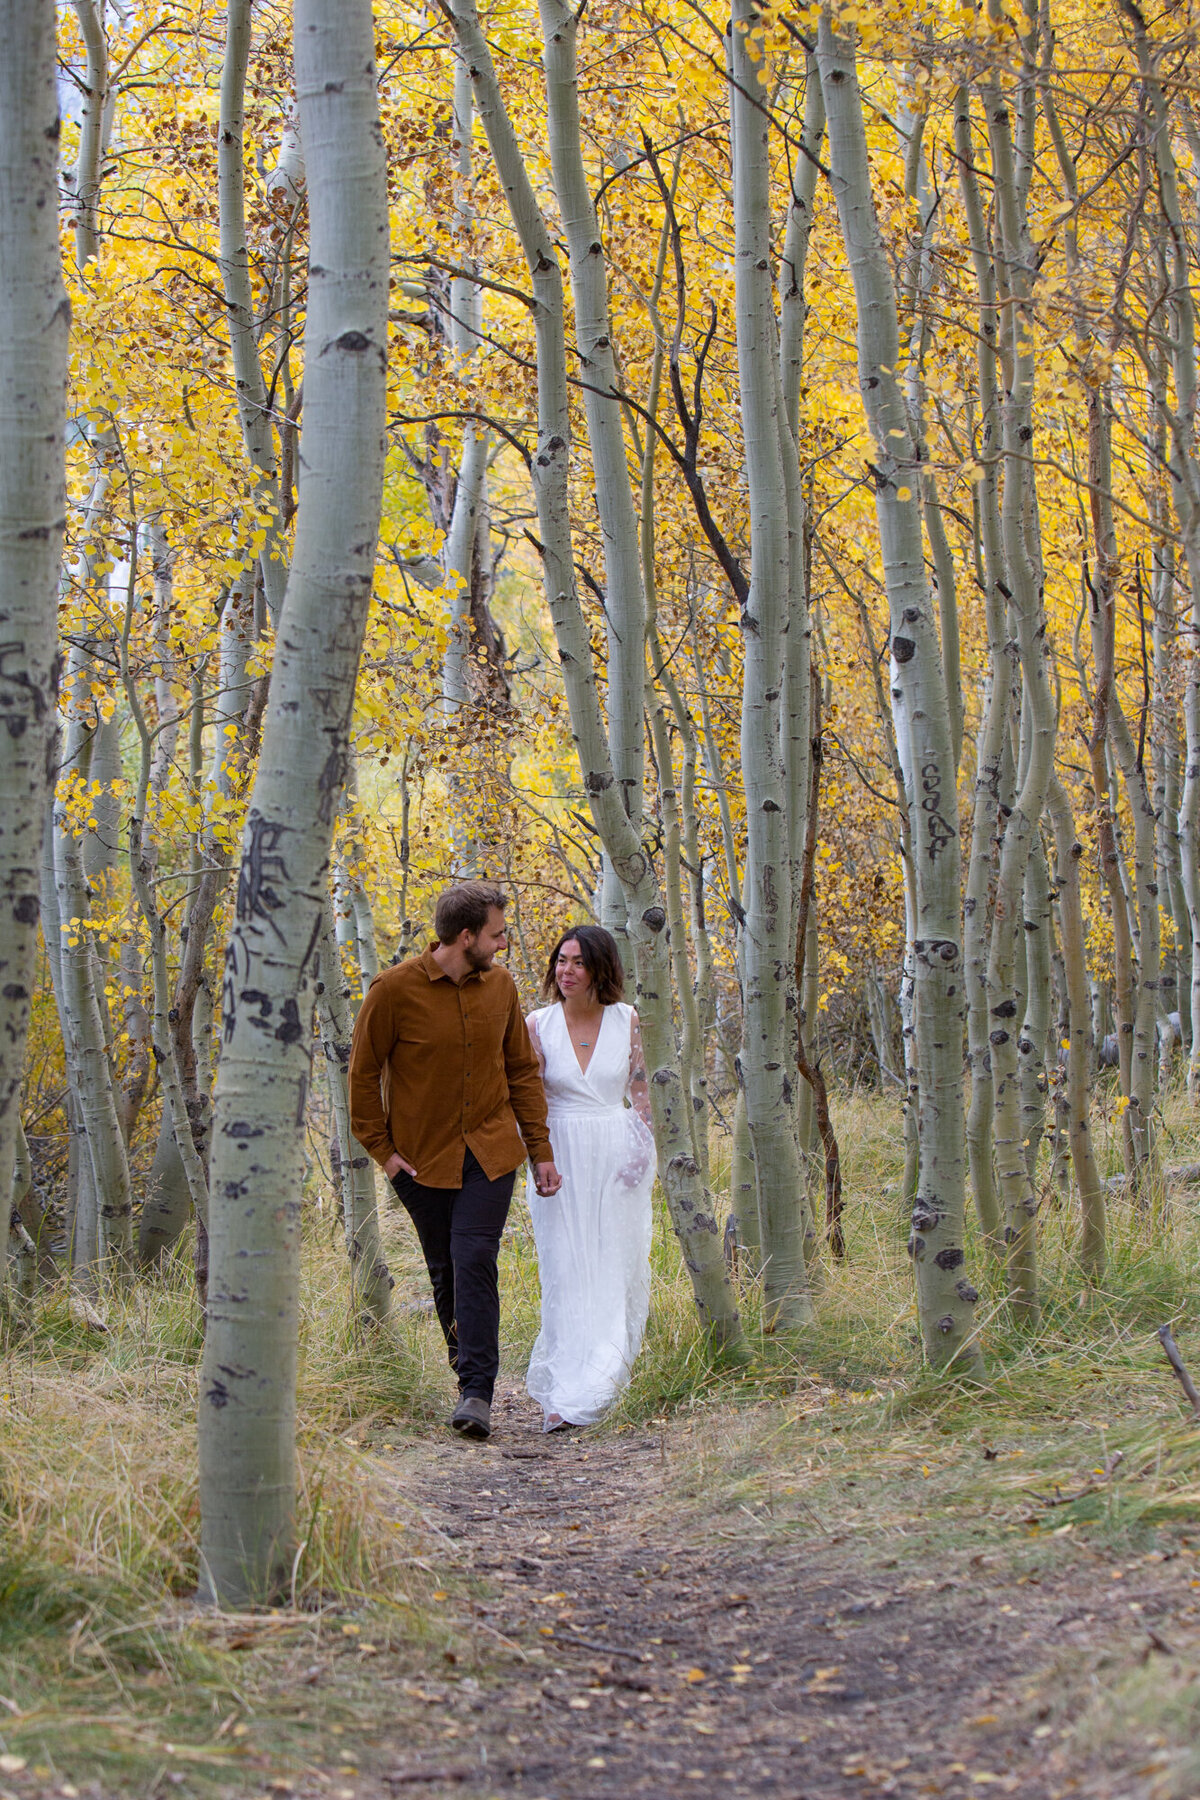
478,959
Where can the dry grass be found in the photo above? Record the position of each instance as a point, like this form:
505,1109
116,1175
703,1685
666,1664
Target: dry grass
104,1661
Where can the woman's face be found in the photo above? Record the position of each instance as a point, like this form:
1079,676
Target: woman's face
570,971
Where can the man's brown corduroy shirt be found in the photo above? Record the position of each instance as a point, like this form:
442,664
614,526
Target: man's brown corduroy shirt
459,1070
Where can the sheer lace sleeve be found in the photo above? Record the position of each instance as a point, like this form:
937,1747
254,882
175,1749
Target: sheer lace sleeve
639,1087
531,1025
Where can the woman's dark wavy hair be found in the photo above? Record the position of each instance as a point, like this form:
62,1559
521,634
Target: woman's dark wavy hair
601,959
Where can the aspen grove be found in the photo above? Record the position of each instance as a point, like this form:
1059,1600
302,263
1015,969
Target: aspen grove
733,478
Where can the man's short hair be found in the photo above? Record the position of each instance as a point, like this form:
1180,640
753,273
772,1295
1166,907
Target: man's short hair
465,907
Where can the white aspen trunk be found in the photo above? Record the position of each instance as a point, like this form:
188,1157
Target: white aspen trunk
917,288
767,950
1015,260
166,704
625,605
1092,1199
1165,741
143,859
1039,998
253,409
34,322
946,1299
101,845
1143,1060
1103,631
458,550
690,1203
85,178
80,1208
994,717
247,1386
82,1015
372,1283
1185,486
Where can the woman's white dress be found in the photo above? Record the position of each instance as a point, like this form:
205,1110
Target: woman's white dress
593,1236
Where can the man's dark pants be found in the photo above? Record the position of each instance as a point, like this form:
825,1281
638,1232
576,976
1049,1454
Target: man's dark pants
460,1231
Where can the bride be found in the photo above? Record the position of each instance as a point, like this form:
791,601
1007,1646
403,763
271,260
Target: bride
593,1236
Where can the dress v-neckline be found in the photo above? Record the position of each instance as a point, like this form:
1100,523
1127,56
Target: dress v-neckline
583,1072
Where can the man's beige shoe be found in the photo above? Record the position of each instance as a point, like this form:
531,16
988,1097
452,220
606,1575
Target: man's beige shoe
472,1417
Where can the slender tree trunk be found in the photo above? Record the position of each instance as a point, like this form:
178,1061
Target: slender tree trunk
1039,998
247,1385
993,722
253,405
1020,533
1103,629
625,604
34,319
691,1204
1069,851
1185,483
768,942
98,1120
372,1282
946,1299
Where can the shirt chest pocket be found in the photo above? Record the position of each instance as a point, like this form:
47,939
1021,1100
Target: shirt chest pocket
485,1030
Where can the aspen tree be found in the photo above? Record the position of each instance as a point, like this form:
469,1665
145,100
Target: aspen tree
1015,260
464,329
34,320
1069,852
247,1385
624,599
253,408
691,1205
924,738
773,626
372,1281
1180,343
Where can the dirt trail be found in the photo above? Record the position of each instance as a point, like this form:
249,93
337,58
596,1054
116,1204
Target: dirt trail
740,1660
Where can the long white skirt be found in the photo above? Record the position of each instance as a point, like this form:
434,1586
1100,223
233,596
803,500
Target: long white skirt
593,1245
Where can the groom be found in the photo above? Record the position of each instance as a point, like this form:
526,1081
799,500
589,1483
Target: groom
444,1037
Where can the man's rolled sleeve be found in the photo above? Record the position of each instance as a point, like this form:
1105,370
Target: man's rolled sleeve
374,1035
525,1090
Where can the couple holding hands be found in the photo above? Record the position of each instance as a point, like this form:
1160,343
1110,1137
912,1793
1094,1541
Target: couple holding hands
451,1089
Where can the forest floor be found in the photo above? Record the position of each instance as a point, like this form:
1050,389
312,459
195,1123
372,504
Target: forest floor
822,1575
644,1642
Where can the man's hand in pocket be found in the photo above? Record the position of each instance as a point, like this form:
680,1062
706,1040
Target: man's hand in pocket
395,1163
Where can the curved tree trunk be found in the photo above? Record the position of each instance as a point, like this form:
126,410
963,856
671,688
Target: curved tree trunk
625,604
690,1202
247,1386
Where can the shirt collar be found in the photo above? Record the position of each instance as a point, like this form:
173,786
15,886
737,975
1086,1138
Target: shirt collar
430,964
435,971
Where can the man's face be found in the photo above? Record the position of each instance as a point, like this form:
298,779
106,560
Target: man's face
481,947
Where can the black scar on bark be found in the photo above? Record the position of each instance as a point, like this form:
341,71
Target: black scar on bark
291,1029
950,1258
26,910
966,1292
654,918
903,649
218,1395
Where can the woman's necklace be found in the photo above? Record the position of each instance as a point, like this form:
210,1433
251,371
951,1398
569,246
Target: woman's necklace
584,1043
